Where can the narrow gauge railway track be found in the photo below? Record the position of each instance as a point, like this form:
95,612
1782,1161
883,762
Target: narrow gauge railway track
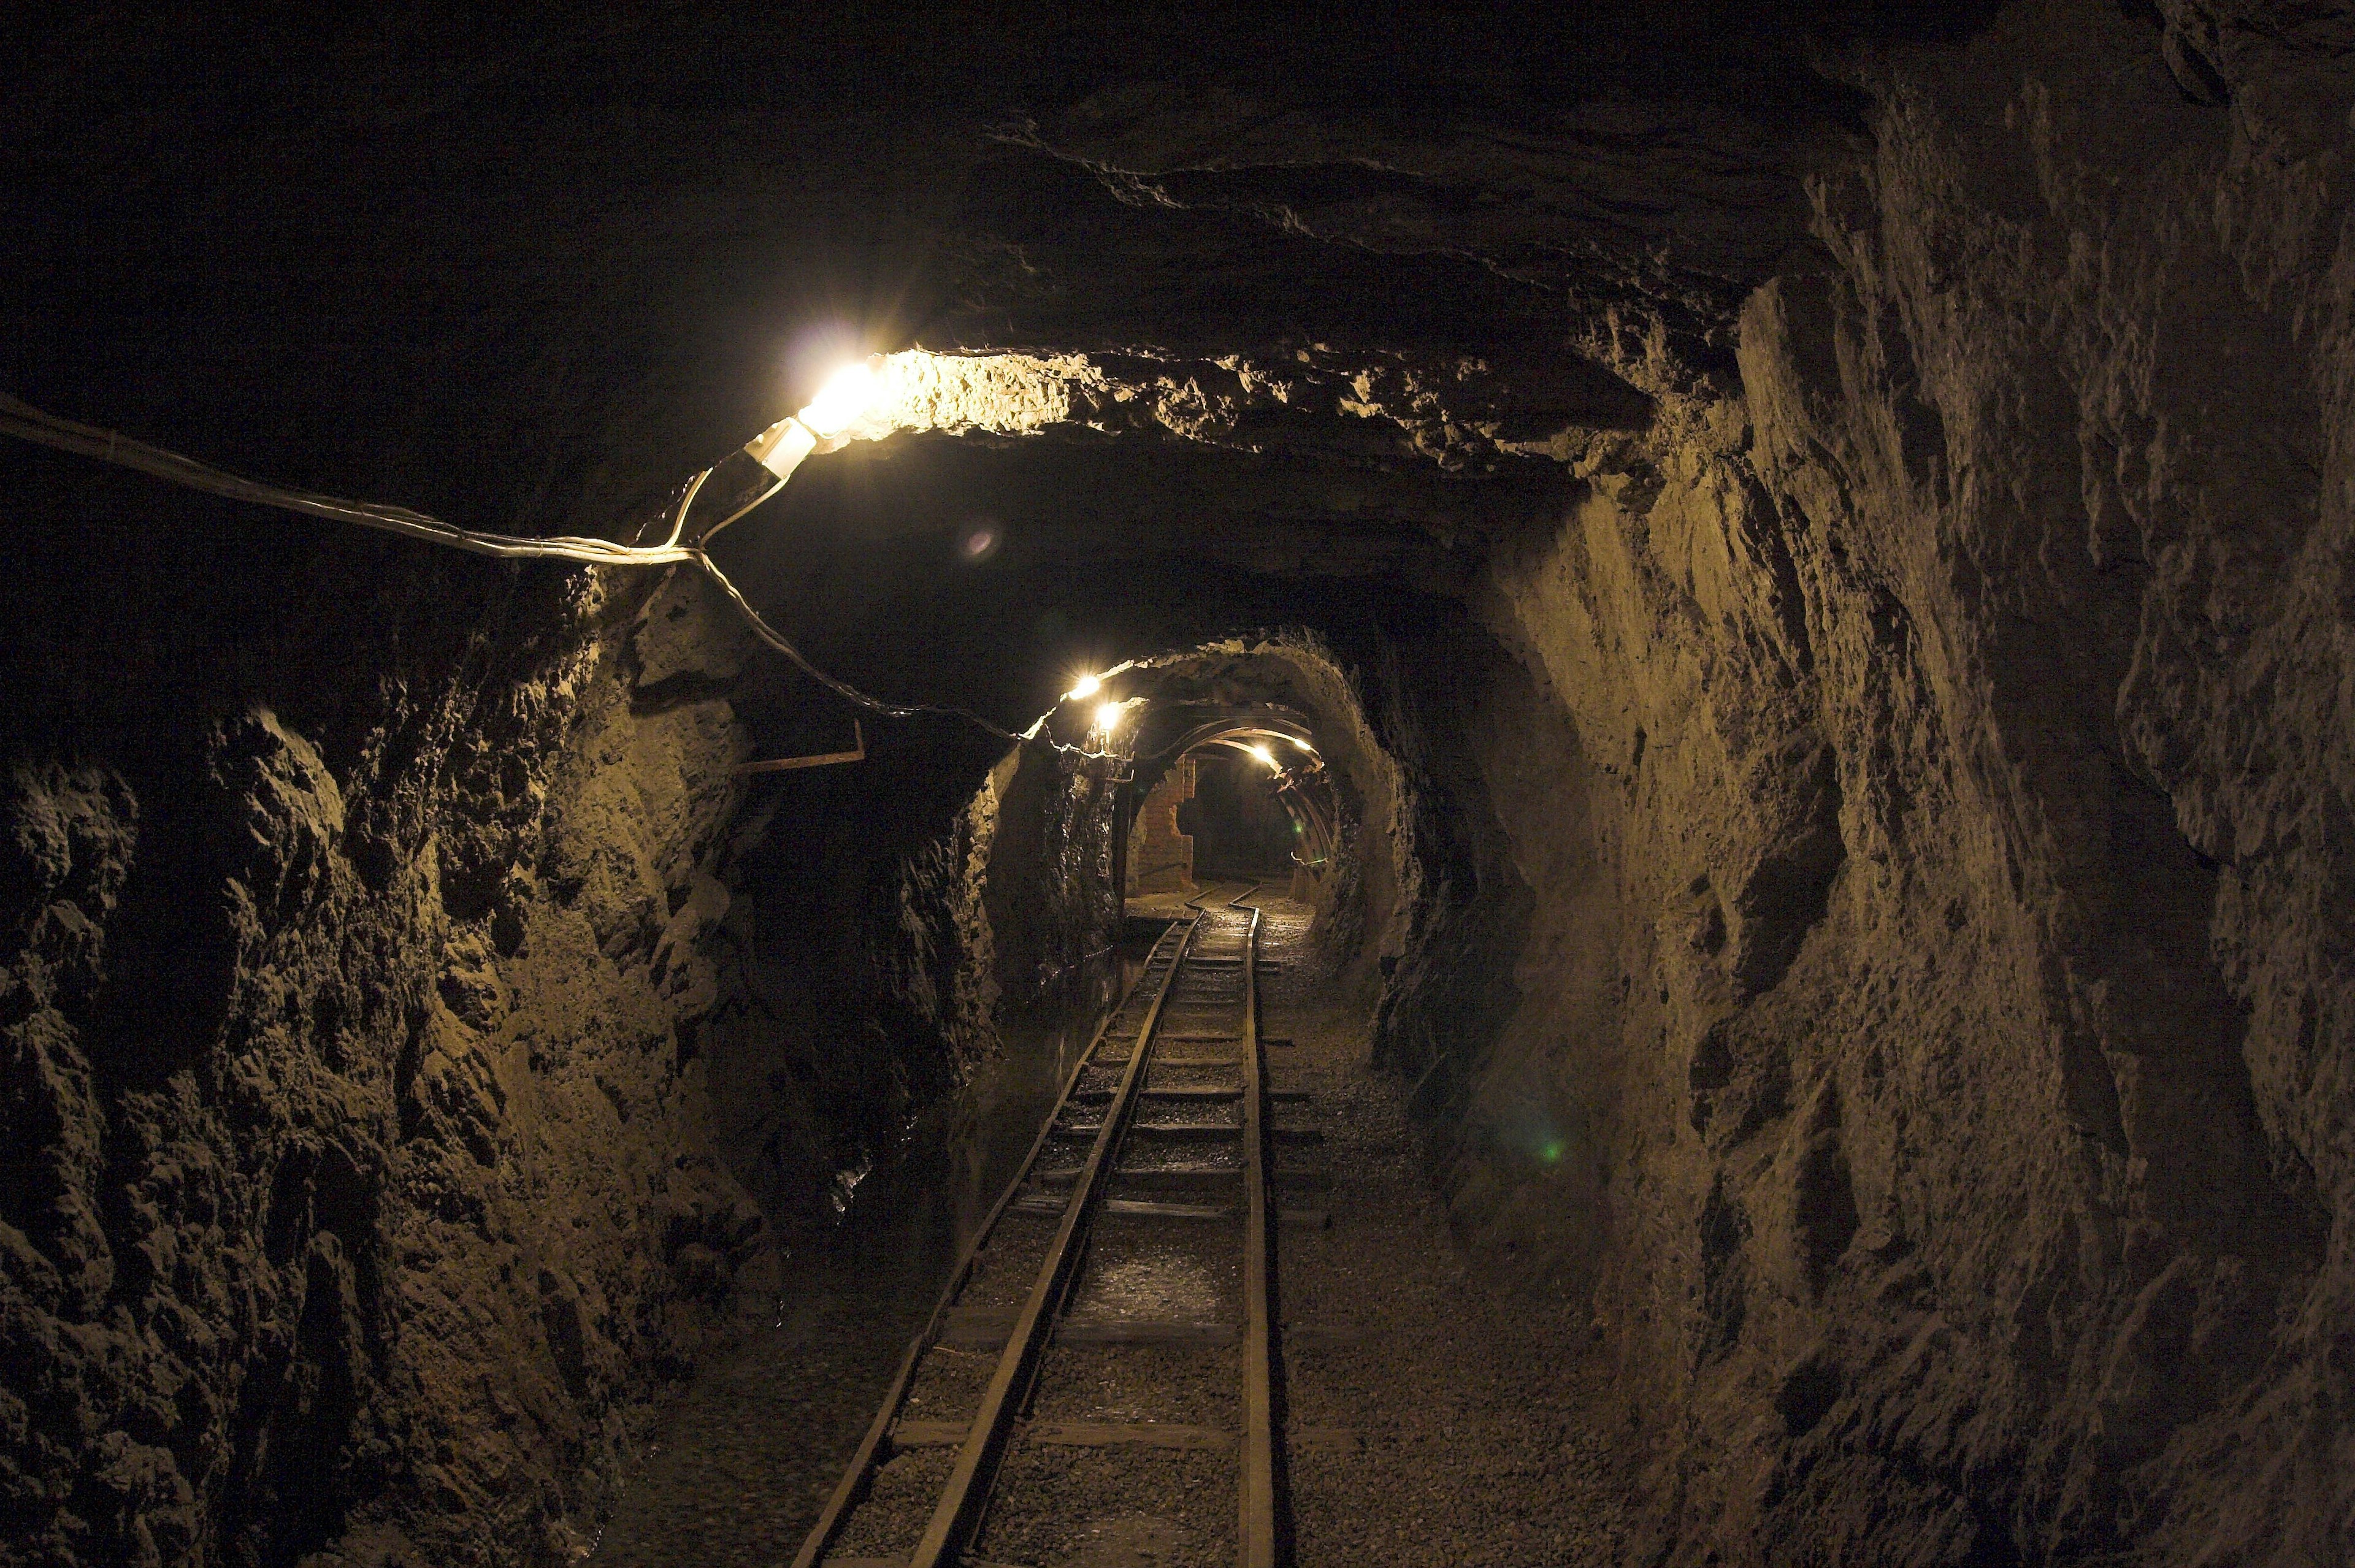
1170,1099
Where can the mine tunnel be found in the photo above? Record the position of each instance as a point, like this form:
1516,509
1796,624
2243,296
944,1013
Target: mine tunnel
1129,787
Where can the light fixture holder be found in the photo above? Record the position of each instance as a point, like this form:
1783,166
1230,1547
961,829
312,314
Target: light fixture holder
781,448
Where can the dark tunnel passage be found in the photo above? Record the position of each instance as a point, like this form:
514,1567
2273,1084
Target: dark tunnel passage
1240,829
1484,785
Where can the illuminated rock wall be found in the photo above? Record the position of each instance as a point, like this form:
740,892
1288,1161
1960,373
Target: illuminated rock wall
1161,859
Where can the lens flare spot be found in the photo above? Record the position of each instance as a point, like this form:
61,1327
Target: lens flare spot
979,541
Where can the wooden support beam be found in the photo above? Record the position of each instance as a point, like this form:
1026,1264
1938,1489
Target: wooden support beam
857,753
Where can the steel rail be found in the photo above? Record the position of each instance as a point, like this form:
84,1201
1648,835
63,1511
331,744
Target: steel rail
956,1518
849,1491
1259,1536
1261,1505
1195,903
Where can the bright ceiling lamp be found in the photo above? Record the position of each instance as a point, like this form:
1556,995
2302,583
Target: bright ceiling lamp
1265,755
1109,715
840,403
1087,686
845,399
1008,394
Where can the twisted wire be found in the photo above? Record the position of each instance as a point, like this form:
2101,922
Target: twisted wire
27,423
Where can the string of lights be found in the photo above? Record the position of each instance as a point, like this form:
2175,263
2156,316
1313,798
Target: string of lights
844,409
27,423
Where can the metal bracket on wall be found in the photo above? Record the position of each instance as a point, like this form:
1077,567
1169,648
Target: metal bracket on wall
857,753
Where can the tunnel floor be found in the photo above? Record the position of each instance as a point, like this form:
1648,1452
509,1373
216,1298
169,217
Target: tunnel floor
1434,1415
741,1459
1469,1439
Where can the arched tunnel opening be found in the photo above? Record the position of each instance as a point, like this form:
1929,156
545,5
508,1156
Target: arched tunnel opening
1243,793
912,786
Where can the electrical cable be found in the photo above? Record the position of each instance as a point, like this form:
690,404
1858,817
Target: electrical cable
27,423
679,520
774,487
770,636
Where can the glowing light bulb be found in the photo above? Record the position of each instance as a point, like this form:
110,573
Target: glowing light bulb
1109,716
842,401
1088,687
1265,755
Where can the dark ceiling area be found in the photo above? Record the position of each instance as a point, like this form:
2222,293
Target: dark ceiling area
527,273
514,269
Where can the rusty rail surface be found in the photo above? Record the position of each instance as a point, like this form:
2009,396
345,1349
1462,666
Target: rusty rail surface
1259,1502
956,1519
960,1512
870,1451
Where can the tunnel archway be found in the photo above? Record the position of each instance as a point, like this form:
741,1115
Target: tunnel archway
1823,533
1249,796
1287,710
1236,820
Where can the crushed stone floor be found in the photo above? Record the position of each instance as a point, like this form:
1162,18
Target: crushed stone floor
1434,1417
1455,1436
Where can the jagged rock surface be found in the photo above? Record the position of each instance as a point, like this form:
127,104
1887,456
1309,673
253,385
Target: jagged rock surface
1836,567
392,1106
1950,1127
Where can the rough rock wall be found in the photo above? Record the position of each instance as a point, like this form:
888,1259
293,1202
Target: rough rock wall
418,1045
885,916
1049,894
1364,903
361,1180
1932,1031
854,977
